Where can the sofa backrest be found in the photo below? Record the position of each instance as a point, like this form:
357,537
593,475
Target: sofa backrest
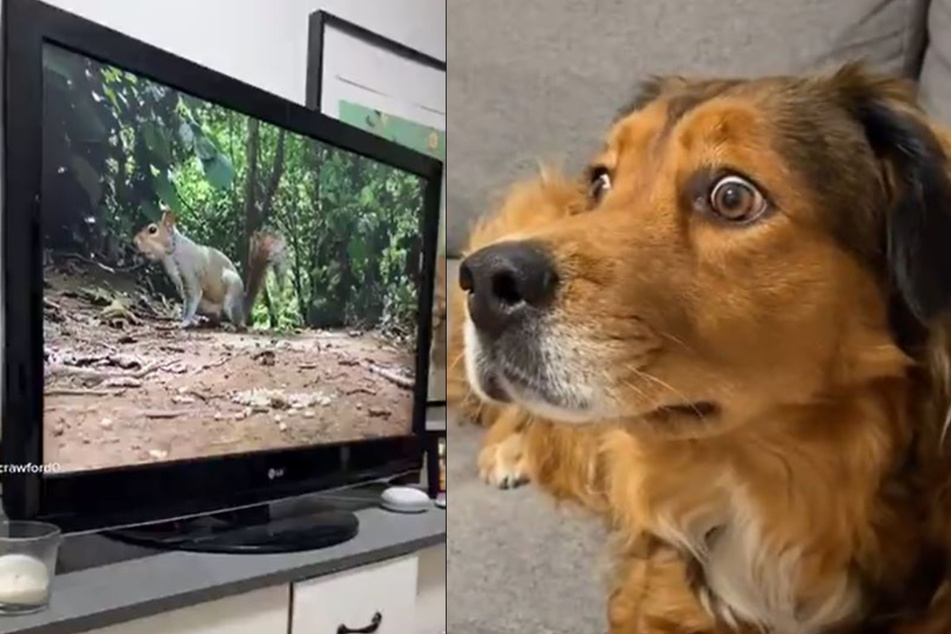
538,80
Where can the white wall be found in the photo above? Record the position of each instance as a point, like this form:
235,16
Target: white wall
261,42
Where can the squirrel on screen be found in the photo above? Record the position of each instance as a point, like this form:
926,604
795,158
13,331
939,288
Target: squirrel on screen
206,280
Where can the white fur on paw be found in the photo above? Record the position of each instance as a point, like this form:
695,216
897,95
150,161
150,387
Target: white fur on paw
503,464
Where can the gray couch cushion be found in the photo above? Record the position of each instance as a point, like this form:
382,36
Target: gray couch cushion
935,87
516,563
542,79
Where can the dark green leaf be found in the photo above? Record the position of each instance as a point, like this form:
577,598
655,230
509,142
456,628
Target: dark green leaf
205,149
192,103
88,178
219,171
61,62
150,210
110,95
87,110
366,195
156,138
357,250
166,192
186,135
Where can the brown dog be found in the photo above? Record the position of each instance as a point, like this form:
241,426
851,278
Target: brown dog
730,341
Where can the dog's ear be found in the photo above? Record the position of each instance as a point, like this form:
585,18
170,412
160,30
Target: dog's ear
917,225
650,89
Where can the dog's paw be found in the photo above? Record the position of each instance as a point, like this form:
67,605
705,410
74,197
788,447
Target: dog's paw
503,464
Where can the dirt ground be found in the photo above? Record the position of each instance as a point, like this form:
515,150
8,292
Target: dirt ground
126,385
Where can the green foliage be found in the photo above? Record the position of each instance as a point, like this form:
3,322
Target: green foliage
118,146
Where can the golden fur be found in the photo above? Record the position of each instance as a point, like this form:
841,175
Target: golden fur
757,411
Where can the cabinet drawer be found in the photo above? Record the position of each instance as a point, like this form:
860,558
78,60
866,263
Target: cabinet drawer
260,612
352,599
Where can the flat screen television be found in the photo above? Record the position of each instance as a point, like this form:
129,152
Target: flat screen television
213,297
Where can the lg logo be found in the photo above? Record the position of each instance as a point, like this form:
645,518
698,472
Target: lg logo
273,474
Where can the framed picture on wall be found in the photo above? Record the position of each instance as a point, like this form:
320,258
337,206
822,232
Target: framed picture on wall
390,89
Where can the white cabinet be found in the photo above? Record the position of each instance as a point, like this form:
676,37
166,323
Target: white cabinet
354,598
408,593
431,591
259,612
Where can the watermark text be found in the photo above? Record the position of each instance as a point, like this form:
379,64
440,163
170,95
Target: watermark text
52,467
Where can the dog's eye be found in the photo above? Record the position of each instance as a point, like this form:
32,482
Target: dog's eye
736,199
153,229
600,184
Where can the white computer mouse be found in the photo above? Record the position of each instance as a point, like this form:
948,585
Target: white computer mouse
405,500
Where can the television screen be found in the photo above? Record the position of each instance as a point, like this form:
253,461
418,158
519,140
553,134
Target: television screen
214,284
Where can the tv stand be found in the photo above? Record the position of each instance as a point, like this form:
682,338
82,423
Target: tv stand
250,530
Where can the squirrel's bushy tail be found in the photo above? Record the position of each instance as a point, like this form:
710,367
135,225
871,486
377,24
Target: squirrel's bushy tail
267,249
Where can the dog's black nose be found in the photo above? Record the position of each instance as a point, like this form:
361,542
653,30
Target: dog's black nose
506,281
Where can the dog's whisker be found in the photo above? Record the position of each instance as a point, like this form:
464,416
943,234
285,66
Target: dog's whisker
944,430
667,335
688,402
639,391
459,358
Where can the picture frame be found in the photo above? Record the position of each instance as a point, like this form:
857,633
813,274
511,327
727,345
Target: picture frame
321,22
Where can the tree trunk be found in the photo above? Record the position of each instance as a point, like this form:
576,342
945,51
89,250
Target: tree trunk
345,289
267,201
271,309
251,221
294,222
314,240
262,213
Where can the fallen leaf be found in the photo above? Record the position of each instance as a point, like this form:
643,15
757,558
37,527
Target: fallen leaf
122,381
265,357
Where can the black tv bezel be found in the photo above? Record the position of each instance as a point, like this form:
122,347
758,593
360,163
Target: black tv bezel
102,498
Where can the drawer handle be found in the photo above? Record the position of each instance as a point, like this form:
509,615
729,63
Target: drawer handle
369,629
